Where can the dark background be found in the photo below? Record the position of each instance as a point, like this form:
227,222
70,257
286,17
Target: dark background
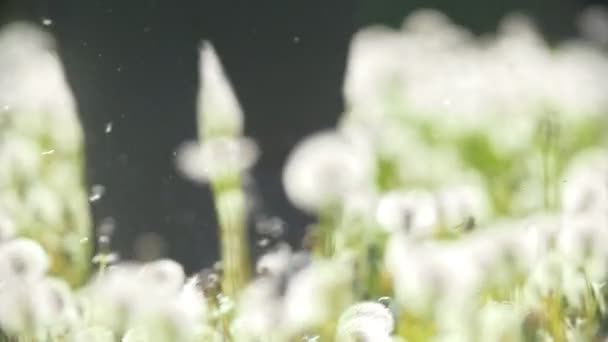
134,63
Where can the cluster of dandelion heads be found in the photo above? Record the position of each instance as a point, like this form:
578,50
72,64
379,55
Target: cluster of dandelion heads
153,299
31,302
129,302
439,70
435,104
462,197
41,150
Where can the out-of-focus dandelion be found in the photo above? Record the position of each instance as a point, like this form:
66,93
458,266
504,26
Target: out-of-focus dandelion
368,320
414,212
22,259
323,169
217,159
593,24
315,295
276,262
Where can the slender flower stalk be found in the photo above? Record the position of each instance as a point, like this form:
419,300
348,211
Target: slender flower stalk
225,155
231,209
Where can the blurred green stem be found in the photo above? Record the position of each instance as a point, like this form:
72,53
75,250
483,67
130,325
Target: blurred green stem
231,211
549,152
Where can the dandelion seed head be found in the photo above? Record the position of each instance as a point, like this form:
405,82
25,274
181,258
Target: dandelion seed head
216,158
313,294
23,259
322,169
275,262
259,310
457,204
366,317
413,211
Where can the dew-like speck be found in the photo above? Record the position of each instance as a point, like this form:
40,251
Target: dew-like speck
47,22
49,152
226,305
84,240
386,301
119,68
263,243
97,192
311,338
6,108
104,239
296,39
109,127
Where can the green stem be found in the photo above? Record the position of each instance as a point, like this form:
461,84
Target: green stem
230,205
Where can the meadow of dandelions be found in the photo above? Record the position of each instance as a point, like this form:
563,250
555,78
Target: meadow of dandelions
462,197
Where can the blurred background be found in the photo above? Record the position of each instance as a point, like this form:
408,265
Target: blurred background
129,64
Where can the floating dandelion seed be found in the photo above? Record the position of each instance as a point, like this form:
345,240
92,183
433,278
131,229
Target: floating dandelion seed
47,22
97,192
108,127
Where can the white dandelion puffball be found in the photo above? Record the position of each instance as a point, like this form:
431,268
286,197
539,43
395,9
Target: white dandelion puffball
216,158
22,259
163,276
585,185
323,168
457,204
219,107
275,262
314,293
258,310
34,94
413,211
365,319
